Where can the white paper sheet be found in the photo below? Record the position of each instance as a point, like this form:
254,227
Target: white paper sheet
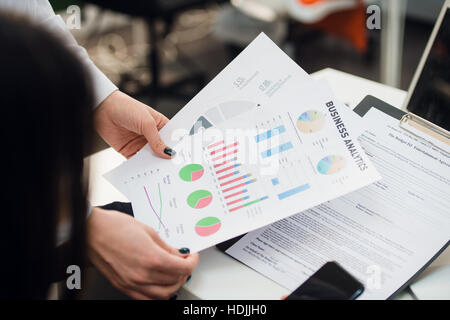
268,142
382,234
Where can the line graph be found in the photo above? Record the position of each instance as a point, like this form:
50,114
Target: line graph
160,206
158,217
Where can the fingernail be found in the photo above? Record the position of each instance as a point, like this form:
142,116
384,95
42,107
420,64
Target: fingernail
184,251
169,151
174,297
188,278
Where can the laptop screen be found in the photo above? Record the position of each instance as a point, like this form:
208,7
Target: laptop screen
431,96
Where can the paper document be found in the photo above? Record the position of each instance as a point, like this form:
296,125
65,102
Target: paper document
264,141
382,234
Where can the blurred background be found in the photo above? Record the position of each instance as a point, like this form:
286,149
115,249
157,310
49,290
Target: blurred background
163,52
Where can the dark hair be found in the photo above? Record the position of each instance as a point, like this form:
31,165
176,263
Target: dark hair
45,103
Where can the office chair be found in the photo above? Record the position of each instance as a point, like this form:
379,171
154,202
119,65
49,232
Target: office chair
166,11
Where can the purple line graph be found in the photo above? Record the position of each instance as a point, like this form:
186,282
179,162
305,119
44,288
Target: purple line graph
153,209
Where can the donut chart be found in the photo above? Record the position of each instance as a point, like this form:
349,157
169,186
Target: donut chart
310,121
331,164
207,226
199,199
191,172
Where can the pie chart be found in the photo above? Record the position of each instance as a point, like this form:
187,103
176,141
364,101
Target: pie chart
207,226
310,121
199,199
191,172
331,164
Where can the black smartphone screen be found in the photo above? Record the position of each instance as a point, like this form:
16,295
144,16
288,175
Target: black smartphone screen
330,282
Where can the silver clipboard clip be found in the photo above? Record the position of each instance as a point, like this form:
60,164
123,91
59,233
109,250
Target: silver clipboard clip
426,127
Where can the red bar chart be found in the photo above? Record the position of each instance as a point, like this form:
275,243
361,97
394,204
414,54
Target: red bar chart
233,182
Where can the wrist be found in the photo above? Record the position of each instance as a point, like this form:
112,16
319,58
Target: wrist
94,234
110,99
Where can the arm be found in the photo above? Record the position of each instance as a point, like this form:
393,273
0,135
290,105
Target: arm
41,13
129,253
123,122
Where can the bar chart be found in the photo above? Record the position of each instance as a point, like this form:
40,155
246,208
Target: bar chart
279,132
233,182
290,178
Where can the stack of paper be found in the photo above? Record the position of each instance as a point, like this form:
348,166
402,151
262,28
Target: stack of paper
261,142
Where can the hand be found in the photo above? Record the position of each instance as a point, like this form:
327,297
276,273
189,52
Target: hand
134,258
127,125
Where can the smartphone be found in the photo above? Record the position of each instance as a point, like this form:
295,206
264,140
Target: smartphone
330,282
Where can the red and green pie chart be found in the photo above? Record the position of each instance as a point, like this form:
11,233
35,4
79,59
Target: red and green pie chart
207,226
199,199
191,172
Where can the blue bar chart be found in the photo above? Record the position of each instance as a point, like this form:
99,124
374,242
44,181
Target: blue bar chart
270,133
278,149
293,191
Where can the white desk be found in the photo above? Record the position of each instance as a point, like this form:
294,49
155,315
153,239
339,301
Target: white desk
218,276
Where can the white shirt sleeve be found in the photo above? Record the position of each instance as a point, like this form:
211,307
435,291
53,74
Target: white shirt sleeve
41,12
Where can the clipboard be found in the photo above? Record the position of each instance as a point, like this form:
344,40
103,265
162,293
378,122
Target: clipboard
405,118
425,127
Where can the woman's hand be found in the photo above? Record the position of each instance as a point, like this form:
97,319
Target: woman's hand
127,125
134,258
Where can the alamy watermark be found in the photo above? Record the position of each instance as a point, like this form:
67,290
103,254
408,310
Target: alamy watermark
245,146
73,20
74,277
374,279
373,21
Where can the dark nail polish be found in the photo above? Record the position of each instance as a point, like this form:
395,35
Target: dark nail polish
184,251
169,151
174,297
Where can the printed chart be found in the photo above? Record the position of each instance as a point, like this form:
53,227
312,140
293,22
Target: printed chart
289,179
271,133
191,172
207,226
331,164
199,199
286,157
234,184
156,208
311,121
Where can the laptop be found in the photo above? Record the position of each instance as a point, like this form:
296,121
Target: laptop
429,93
